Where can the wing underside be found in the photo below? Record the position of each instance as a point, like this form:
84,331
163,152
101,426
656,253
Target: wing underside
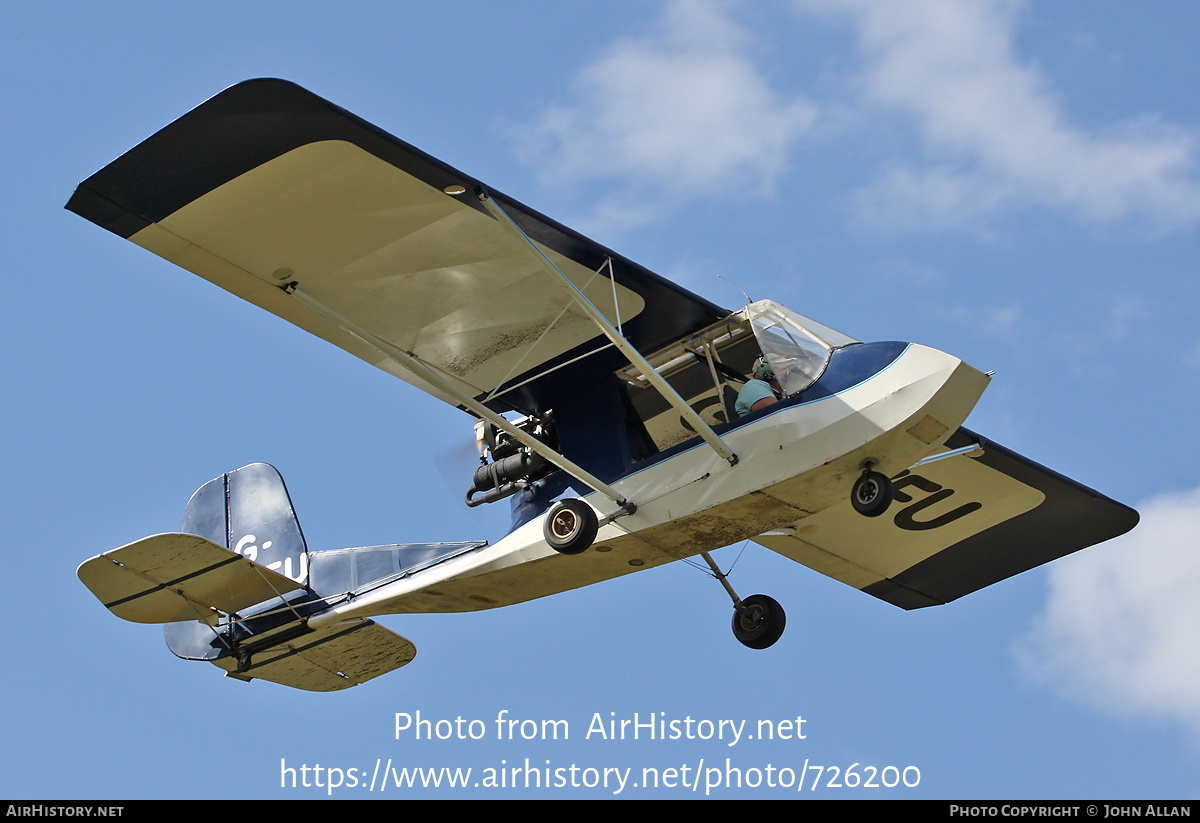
266,189
956,526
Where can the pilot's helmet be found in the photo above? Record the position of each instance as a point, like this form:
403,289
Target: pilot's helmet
763,370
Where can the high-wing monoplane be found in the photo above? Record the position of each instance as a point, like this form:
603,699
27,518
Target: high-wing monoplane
605,397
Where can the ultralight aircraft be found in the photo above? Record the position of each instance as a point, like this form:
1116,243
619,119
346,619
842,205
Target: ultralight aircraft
604,397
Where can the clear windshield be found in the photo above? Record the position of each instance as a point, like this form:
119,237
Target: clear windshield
796,347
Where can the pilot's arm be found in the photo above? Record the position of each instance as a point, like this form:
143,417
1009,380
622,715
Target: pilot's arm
755,395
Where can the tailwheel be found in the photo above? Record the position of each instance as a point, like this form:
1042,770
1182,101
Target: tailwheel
759,622
872,494
570,526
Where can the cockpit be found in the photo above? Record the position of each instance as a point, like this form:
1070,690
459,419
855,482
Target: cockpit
624,424
709,368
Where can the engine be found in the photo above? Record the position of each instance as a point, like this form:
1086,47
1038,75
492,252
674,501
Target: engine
513,465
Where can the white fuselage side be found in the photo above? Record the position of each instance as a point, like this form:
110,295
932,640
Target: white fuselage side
792,462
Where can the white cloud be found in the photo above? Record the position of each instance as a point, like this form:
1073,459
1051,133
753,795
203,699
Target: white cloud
689,109
678,113
994,131
1121,627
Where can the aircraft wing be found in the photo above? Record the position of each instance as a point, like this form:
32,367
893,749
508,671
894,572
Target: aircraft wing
956,526
267,188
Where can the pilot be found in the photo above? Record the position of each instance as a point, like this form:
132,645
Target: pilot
759,392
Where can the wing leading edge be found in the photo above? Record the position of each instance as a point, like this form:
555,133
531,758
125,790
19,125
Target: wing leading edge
267,188
956,526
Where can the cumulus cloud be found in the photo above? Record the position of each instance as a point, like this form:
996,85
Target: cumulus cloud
690,109
680,112
1120,626
994,132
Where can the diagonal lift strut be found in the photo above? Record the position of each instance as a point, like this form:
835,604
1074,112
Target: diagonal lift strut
635,357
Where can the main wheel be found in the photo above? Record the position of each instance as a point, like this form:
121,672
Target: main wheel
762,623
872,494
570,526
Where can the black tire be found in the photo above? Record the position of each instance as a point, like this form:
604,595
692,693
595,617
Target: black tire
872,494
763,625
570,526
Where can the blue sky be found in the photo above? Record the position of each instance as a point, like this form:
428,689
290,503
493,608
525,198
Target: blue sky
1014,183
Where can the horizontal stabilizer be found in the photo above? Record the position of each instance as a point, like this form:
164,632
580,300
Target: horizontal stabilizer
328,659
172,577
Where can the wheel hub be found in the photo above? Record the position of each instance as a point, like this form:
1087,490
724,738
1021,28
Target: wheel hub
565,522
751,618
867,492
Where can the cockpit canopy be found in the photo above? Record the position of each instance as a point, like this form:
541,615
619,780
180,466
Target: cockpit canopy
709,368
796,347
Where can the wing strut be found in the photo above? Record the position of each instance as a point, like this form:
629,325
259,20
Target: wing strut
627,348
423,370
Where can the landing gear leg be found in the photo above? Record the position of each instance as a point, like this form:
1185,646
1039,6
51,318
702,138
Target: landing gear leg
758,621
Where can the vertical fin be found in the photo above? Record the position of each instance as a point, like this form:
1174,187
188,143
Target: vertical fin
249,511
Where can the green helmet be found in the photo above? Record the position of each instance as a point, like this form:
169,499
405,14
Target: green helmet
763,370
